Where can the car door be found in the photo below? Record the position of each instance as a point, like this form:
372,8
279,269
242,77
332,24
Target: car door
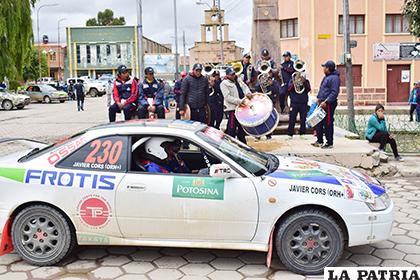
186,206
36,91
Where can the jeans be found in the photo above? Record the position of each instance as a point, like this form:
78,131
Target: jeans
144,113
80,102
198,115
412,109
327,125
383,138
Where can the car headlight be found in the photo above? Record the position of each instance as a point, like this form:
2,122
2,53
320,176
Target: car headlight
380,203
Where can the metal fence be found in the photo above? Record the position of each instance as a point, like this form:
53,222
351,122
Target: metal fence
406,133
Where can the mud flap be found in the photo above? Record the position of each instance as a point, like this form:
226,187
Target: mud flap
6,245
270,249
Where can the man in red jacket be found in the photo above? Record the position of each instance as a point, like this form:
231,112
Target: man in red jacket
124,94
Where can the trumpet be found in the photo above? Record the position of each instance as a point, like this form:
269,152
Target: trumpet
298,77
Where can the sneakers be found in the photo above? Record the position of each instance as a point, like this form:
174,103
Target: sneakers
326,146
382,151
317,144
398,158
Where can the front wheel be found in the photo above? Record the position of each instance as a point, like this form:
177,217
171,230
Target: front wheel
7,105
47,99
41,235
308,241
93,92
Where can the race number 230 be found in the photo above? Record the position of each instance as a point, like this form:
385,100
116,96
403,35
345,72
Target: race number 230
105,152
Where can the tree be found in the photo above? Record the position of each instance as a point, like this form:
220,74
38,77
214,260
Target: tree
411,11
16,37
31,70
105,18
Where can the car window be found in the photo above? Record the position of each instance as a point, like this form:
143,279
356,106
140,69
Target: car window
102,154
157,154
35,88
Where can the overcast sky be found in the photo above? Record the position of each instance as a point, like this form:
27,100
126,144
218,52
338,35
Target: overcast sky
158,18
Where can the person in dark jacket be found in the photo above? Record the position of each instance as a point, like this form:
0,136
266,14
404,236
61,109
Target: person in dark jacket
298,104
377,132
215,100
327,99
124,95
286,72
151,94
248,72
177,92
195,94
80,95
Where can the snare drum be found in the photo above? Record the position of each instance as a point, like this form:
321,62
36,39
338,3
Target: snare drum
258,117
316,117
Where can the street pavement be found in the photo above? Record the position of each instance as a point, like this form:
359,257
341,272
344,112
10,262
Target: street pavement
53,121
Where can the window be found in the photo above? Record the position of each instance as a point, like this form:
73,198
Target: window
187,158
356,73
78,53
118,51
88,54
396,24
102,154
98,53
357,24
289,28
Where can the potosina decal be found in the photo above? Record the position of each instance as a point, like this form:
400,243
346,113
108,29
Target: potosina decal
199,188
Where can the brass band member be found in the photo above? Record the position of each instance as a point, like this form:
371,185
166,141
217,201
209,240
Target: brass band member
249,74
265,55
287,71
298,104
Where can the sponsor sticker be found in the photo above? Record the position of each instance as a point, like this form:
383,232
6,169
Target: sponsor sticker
272,182
349,192
84,238
94,211
199,188
371,273
316,191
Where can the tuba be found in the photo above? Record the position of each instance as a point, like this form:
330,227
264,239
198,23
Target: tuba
237,67
298,77
208,69
264,68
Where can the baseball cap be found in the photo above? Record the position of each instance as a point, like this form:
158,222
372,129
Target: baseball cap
329,64
198,66
229,71
122,69
287,53
149,70
247,55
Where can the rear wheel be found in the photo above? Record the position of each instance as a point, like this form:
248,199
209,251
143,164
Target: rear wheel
309,240
47,99
7,105
93,92
42,236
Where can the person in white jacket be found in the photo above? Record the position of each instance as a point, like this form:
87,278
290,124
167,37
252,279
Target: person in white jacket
233,94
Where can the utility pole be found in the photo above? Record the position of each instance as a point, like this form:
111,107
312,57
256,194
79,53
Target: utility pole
185,51
348,64
140,56
59,49
176,44
221,32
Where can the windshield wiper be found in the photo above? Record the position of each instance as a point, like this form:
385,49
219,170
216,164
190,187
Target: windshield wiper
32,152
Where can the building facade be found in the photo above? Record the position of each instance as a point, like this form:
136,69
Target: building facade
208,49
97,50
386,60
55,58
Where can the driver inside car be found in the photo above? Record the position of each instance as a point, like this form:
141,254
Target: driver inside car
162,156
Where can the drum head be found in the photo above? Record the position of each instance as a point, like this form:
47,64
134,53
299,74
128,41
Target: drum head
256,112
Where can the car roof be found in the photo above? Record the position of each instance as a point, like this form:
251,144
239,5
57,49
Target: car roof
153,123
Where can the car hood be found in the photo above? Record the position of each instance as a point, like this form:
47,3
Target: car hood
13,96
353,183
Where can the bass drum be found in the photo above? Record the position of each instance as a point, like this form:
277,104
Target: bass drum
258,116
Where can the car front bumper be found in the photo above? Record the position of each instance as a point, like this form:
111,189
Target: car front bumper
370,227
58,98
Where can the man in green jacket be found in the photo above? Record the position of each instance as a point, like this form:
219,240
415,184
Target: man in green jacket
377,132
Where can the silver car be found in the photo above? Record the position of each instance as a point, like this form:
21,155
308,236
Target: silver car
10,100
45,93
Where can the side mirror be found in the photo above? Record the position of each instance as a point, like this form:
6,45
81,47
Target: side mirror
222,170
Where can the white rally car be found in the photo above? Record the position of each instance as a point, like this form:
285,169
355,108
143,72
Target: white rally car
94,189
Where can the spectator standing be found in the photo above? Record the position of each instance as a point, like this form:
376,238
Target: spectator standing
327,99
124,94
377,132
177,92
412,100
80,95
215,100
194,94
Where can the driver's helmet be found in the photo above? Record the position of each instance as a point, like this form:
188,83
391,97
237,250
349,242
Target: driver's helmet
155,147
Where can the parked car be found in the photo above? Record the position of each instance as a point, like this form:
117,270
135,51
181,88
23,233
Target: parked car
92,87
10,100
45,93
95,189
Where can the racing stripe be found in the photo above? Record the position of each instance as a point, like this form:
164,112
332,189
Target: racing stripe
15,174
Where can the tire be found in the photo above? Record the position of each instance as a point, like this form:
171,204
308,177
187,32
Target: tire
62,101
7,105
299,237
47,99
93,92
42,236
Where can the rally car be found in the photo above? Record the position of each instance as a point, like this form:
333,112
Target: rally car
93,188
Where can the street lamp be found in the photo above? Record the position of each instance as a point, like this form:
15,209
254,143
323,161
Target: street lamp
176,43
37,27
59,48
140,39
219,16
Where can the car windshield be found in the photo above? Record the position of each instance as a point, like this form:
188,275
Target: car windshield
47,88
254,162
